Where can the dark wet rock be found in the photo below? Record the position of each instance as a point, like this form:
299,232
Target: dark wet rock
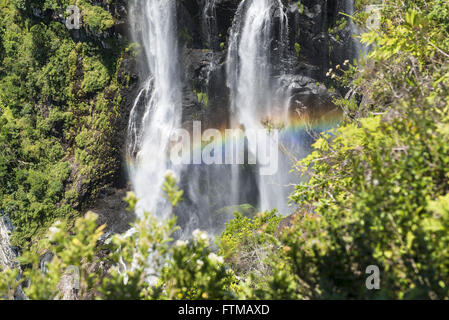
204,74
307,92
300,85
190,19
309,27
112,211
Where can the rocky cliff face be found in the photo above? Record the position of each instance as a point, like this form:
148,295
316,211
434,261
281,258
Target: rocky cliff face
312,50
7,253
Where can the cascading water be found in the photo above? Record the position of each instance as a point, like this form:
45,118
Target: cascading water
360,50
157,109
7,255
209,23
256,98
259,77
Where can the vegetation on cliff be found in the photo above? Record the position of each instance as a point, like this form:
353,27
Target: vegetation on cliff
59,100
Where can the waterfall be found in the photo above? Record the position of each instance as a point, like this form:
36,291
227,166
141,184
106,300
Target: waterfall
359,50
256,97
260,83
157,109
8,255
209,23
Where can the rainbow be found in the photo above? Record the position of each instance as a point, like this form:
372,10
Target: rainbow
297,134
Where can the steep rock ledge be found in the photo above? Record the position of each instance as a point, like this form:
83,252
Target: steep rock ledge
7,253
319,38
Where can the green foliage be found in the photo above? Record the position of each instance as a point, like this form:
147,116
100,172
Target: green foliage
172,192
95,17
185,36
440,13
245,241
376,189
370,198
195,272
9,283
96,75
298,49
69,250
58,101
186,270
202,98
340,25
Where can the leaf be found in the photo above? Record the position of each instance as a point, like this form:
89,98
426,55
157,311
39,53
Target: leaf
432,225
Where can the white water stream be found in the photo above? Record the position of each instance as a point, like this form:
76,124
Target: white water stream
255,95
154,26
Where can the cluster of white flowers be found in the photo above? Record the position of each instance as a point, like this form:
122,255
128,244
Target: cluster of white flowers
170,173
53,230
200,263
202,236
331,73
181,243
215,258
